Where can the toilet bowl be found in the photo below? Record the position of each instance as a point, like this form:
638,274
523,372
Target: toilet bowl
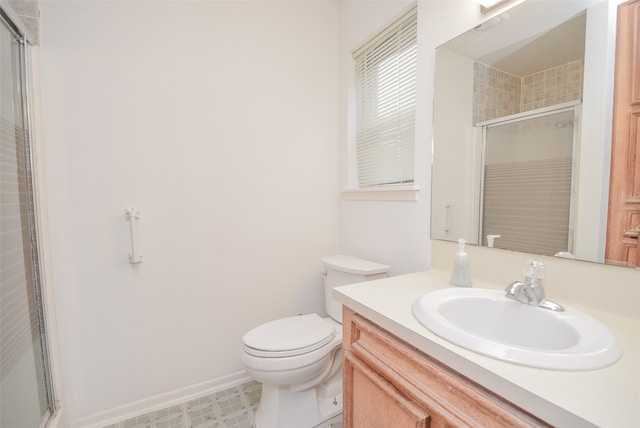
289,378
298,359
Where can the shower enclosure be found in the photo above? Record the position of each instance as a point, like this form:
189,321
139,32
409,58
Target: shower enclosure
526,198
26,395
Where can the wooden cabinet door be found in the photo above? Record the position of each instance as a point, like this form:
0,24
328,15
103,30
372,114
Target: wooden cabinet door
373,402
623,244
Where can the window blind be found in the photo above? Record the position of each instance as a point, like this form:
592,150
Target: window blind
385,105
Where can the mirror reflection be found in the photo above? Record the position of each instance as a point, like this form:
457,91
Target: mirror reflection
522,130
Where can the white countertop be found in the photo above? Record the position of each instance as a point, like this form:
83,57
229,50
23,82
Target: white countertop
607,397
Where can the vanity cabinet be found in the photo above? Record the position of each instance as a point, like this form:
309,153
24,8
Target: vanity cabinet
390,384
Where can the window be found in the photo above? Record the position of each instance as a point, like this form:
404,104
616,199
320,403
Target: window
385,105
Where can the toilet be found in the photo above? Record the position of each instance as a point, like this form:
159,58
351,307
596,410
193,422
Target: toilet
298,359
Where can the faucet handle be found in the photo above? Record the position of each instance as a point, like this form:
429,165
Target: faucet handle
533,269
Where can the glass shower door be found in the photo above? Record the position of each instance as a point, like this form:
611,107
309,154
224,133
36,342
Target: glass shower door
24,393
528,182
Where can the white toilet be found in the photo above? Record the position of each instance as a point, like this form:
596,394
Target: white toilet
298,359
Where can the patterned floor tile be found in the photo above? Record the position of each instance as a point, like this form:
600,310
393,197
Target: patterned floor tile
231,408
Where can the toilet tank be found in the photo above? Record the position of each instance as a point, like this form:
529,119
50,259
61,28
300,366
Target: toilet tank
342,270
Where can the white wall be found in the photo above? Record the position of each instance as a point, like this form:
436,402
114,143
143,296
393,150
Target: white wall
218,121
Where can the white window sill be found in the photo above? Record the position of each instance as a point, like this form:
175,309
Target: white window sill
391,193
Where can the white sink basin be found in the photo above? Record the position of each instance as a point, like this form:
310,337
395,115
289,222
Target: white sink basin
486,322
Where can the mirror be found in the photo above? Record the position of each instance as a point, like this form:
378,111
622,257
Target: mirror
546,65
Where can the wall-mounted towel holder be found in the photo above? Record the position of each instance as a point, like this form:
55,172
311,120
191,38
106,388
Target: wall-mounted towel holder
133,215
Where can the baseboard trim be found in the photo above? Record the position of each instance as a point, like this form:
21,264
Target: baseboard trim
160,401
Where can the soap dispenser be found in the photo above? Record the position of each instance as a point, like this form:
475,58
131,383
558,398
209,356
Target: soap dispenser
461,276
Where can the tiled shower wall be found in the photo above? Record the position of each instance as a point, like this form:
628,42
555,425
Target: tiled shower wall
497,94
553,86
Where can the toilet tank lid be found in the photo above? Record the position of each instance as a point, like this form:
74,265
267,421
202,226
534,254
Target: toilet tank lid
354,265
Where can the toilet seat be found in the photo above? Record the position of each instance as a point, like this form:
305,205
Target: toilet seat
288,337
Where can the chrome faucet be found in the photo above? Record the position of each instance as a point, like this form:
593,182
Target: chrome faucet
531,291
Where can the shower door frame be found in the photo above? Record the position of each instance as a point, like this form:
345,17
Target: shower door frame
52,415
480,156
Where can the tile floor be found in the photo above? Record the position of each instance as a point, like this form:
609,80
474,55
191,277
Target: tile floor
231,408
